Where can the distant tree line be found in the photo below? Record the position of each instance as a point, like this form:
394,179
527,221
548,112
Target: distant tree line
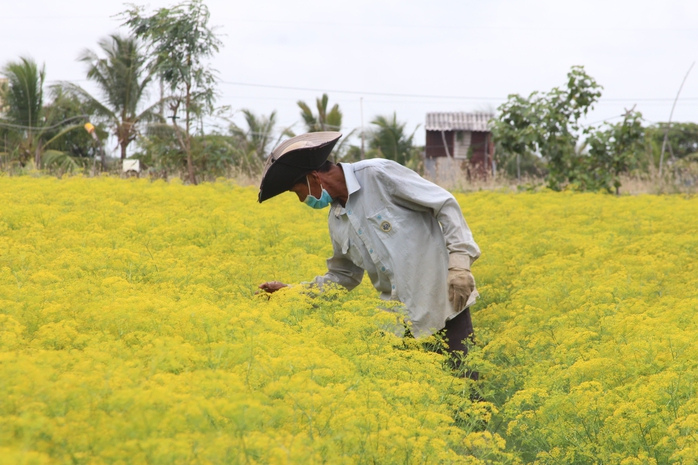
165,53
544,135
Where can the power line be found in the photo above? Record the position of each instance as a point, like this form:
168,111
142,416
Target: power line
450,97
354,92
42,128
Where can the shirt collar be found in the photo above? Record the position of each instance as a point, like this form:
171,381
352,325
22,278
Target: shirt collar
350,178
352,186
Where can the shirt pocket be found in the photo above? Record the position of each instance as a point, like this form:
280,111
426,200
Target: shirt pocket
384,223
385,238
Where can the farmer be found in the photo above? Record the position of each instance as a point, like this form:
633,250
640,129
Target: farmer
407,233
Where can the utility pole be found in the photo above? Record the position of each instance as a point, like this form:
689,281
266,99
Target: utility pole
363,153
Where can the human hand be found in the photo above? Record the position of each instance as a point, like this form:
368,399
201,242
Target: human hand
460,285
271,286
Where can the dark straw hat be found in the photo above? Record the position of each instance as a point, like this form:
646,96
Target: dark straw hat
293,159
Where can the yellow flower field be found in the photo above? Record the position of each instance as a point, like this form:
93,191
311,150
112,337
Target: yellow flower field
130,332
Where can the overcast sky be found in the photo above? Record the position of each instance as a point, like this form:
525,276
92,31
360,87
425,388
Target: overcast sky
411,57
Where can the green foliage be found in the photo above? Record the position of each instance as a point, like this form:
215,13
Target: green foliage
546,127
65,106
516,165
254,143
549,125
351,154
32,130
389,140
240,151
682,140
122,77
181,41
324,120
612,151
24,93
23,96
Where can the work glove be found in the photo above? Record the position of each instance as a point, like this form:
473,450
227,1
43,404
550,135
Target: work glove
460,285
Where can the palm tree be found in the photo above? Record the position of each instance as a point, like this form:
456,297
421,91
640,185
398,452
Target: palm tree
253,143
390,139
122,76
32,127
23,97
324,120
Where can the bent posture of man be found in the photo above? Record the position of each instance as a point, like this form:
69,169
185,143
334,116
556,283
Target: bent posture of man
407,233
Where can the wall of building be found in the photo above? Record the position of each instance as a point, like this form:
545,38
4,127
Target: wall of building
435,145
476,147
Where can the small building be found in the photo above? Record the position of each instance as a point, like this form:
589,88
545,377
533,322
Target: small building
460,137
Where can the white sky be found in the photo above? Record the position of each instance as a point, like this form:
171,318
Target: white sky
638,50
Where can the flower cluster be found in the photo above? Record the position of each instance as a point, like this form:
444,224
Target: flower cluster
130,332
588,325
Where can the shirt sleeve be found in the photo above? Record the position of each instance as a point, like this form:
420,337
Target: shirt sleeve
410,190
342,271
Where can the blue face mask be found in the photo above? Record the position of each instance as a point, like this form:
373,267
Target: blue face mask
316,203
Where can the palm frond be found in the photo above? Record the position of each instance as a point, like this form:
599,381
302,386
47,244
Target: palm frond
61,134
24,93
62,161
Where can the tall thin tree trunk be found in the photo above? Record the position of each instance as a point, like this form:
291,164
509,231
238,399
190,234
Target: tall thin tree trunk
162,98
187,139
37,156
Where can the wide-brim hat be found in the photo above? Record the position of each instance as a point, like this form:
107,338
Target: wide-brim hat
293,159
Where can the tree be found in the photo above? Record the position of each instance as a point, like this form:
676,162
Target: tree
30,128
253,144
682,139
258,135
612,151
390,141
23,95
549,125
75,148
123,77
180,39
324,120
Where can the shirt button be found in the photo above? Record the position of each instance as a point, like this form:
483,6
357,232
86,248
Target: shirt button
370,251
382,268
359,232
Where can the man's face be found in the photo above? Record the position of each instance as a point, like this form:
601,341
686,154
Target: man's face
301,187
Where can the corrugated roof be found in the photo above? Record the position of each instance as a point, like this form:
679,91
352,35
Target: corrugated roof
458,122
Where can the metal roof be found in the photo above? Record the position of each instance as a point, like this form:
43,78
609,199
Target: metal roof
459,122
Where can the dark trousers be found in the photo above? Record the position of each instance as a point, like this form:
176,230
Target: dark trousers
457,330
457,333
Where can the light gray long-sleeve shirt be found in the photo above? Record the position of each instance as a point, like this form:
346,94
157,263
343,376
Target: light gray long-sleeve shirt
405,232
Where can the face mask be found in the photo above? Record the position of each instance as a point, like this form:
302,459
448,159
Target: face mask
313,202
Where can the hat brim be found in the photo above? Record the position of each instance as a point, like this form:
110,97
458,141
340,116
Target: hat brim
283,173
